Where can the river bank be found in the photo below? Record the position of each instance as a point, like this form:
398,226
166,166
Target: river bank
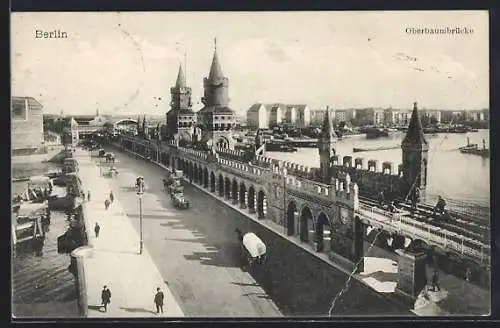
42,286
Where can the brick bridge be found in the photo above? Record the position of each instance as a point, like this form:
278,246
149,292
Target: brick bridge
330,218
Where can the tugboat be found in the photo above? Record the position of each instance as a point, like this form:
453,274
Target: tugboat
474,149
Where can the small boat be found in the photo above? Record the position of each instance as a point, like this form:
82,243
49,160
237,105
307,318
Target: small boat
357,150
374,133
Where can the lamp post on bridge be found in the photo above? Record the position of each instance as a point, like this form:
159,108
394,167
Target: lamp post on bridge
140,192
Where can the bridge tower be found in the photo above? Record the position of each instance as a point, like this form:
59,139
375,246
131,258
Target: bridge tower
217,119
180,119
415,155
326,147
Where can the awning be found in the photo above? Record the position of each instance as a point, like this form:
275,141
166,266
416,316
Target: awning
31,209
39,180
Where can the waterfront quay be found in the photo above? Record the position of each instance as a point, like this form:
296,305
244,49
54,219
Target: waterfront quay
113,258
298,279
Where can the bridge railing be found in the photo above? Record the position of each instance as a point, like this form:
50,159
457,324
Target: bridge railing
435,235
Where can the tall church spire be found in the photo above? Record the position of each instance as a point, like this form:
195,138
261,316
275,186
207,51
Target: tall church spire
215,69
181,80
415,134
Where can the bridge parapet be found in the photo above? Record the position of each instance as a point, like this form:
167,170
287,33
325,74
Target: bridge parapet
371,176
194,153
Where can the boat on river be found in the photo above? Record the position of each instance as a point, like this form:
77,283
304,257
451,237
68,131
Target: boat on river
373,133
357,150
474,149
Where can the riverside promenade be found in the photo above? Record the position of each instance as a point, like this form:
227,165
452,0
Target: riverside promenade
114,258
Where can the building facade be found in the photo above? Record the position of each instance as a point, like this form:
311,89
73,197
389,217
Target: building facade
26,123
258,117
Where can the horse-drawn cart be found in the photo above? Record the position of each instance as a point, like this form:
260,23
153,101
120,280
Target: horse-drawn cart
253,248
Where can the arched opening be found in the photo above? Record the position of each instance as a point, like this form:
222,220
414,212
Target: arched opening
243,195
195,173
306,224
290,218
200,176
222,143
212,182
227,188
261,204
205,178
234,191
221,185
191,172
323,230
251,199
186,167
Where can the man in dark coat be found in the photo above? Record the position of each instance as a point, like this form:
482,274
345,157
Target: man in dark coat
435,281
111,196
105,297
97,228
159,300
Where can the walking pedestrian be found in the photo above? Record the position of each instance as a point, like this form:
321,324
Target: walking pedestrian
159,300
105,297
435,281
111,196
88,195
106,203
468,274
97,228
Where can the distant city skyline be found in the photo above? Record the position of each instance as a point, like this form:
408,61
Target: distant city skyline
120,62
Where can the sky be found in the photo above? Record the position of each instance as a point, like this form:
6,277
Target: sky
121,63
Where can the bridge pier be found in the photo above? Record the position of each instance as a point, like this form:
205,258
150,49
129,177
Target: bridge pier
411,274
359,232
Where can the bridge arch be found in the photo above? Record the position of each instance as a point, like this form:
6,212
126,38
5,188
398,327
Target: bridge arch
323,230
221,185
291,214
205,177
191,171
243,195
261,204
212,181
251,199
227,188
234,191
222,142
195,173
306,223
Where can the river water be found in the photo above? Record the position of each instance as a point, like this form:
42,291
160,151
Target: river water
457,177
42,286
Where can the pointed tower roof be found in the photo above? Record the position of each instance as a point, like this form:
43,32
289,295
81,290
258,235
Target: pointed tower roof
181,80
415,134
215,69
328,131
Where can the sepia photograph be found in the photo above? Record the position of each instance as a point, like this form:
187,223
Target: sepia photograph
177,165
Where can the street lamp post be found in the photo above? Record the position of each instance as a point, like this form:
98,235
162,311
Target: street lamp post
140,193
